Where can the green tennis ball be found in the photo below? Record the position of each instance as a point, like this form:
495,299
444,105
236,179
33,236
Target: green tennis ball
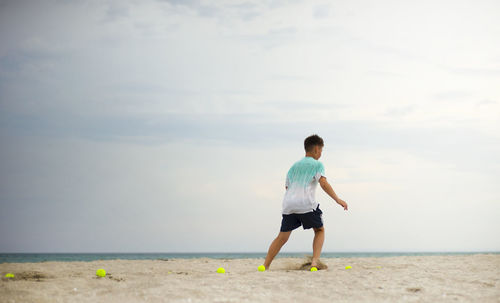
314,269
9,275
100,272
221,270
348,267
261,268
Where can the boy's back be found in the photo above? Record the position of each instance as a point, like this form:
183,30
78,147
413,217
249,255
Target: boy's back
301,182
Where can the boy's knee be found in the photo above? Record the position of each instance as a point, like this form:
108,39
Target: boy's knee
319,229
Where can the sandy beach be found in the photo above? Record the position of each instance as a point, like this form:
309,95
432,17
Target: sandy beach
454,278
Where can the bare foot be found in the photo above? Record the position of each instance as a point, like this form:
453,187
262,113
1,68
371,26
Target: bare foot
310,263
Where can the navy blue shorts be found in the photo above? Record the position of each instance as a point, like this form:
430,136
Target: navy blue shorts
307,220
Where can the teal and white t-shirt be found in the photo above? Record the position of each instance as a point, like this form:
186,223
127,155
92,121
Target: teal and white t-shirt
301,180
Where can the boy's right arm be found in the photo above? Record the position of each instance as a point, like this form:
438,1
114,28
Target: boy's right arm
329,190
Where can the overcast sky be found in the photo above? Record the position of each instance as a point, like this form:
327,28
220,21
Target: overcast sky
169,126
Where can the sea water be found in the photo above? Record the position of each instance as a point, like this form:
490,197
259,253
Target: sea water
86,257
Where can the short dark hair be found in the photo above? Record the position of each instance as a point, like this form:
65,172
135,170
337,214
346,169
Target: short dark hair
311,141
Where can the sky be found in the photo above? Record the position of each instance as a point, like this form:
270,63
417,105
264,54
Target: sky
169,126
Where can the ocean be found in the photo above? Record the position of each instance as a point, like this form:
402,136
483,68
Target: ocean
86,257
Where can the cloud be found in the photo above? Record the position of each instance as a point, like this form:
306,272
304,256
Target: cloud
453,95
245,11
116,11
321,11
486,102
481,72
400,111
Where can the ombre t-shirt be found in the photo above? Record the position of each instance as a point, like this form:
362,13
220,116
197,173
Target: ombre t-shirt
301,180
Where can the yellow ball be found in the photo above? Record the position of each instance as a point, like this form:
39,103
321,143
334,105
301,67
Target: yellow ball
348,267
9,275
314,269
221,270
261,268
100,273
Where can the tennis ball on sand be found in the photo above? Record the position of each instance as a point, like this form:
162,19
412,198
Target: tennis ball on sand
348,267
221,270
100,273
261,268
9,275
314,268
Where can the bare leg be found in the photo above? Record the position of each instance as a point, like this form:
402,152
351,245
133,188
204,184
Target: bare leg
319,238
275,247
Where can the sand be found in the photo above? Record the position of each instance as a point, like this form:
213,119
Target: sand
453,278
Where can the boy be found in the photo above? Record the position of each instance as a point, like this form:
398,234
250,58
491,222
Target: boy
299,203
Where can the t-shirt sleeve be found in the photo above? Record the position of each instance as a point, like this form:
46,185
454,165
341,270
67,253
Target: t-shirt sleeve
320,172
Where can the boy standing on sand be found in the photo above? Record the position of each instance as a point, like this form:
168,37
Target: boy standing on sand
299,203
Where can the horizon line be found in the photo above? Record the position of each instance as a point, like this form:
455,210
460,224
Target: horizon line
263,252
